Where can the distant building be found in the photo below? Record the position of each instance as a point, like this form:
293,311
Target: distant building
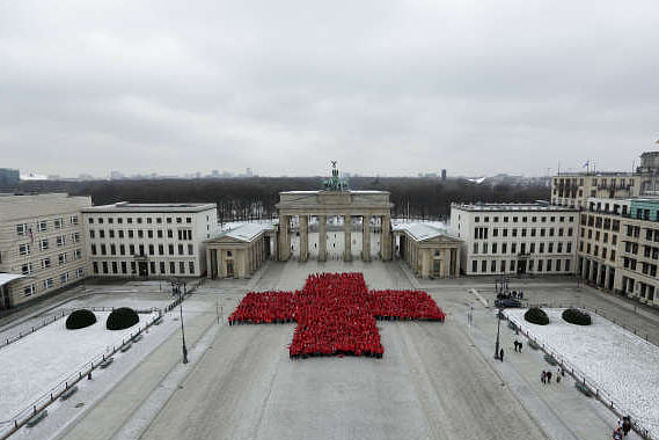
42,245
9,178
515,238
444,174
160,240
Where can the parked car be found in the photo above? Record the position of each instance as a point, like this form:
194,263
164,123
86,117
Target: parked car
507,303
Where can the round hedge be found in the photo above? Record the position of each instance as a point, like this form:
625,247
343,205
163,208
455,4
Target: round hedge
80,319
122,318
576,316
536,315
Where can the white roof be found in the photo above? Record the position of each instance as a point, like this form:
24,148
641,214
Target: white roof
421,231
246,231
7,277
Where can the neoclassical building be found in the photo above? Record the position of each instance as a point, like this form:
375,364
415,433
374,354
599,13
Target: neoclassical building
430,251
239,252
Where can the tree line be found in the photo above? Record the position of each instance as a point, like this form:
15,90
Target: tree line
255,197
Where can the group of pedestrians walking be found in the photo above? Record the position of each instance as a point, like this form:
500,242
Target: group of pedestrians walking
545,376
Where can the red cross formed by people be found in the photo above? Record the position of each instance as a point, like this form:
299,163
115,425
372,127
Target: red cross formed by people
336,314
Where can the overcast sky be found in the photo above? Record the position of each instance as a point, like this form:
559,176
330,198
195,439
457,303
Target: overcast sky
386,87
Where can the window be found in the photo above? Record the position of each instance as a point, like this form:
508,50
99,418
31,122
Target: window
179,220
61,240
42,226
48,283
29,290
474,266
43,244
123,267
140,233
21,229
191,267
121,233
111,220
111,233
80,272
159,234
64,278
101,233
92,234
149,233
62,258
26,269
115,267
113,249
90,221
93,249
191,249
24,249
130,233
170,233
172,267
484,266
180,249
170,249
104,250
58,223
45,263
75,237
548,265
77,254
74,220
149,220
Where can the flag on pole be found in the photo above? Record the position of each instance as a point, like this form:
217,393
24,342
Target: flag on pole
585,165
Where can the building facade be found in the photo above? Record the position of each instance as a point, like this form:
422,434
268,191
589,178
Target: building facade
239,252
41,238
574,189
155,240
500,239
430,251
638,253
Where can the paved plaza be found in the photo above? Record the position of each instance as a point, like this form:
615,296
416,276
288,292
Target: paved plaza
435,381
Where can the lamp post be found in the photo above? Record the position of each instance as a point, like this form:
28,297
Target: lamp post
496,345
176,286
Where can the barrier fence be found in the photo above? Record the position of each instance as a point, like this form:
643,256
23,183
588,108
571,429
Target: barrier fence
8,427
28,331
592,386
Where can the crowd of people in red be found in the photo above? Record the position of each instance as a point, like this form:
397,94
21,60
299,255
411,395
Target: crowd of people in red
405,305
336,314
264,307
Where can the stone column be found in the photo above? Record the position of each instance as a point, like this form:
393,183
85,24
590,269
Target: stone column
322,238
347,238
304,238
366,238
284,238
385,238
209,265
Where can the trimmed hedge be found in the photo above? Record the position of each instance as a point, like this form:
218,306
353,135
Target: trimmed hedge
80,319
122,318
535,315
576,316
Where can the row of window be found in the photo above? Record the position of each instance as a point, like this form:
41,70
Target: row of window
482,233
47,263
534,219
25,249
598,235
141,250
502,248
645,268
596,251
499,266
24,229
600,222
123,268
49,283
182,234
138,220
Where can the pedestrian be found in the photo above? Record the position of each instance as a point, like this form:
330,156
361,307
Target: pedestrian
521,344
501,355
543,377
548,376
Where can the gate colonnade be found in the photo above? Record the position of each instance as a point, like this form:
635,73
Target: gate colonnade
323,204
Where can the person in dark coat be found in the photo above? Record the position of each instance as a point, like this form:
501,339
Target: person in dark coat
501,355
548,376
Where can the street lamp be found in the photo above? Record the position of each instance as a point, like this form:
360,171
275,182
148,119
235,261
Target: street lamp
496,345
176,287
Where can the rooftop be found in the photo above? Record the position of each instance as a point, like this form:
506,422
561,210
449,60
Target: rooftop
422,231
511,207
246,231
151,207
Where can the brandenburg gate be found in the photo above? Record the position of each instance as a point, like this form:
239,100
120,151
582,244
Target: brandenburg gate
335,200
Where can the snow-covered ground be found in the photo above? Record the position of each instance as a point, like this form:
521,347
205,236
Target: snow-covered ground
33,365
620,363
